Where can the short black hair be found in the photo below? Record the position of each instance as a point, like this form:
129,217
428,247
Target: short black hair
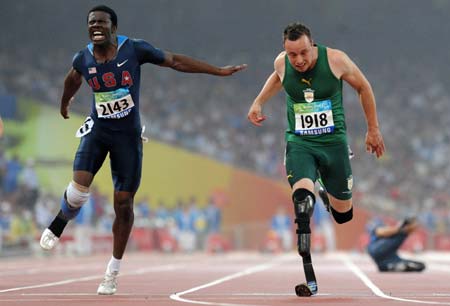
296,30
105,9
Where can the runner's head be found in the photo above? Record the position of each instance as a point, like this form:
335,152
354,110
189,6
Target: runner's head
102,25
299,46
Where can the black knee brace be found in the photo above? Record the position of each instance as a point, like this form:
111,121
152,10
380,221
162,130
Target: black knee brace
303,206
342,217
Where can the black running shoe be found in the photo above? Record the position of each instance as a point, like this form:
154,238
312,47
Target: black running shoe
414,266
308,289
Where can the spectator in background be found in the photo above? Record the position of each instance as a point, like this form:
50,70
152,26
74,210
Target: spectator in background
43,210
281,224
143,213
384,243
198,220
23,229
185,228
30,184
83,228
101,202
5,216
324,225
161,215
13,169
1,127
3,162
213,217
143,207
106,219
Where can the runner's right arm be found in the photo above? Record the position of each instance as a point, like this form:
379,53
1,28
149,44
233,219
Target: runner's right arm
271,87
71,85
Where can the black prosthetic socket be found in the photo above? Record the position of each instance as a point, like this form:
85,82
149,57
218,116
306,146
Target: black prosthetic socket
58,224
298,197
342,217
303,206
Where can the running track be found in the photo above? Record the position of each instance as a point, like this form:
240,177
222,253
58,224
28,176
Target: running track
228,279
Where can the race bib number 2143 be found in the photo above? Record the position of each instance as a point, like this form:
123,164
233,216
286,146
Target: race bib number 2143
113,105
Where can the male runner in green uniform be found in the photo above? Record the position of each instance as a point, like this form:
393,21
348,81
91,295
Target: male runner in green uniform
311,76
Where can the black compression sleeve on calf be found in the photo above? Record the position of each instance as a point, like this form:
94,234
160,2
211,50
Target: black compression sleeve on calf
58,225
342,217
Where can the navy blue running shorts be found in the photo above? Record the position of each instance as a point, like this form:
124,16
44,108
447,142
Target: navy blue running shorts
125,153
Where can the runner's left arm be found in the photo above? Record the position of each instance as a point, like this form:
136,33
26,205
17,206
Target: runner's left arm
147,53
353,76
188,64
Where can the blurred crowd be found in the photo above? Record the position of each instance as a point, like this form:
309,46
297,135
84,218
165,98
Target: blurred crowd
25,210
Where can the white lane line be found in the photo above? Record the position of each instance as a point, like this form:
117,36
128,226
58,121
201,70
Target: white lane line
77,294
44,269
248,271
377,291
272,294
63,282
92,277
439,267
97,300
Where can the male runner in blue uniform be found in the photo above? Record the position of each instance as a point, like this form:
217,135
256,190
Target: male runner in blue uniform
111,65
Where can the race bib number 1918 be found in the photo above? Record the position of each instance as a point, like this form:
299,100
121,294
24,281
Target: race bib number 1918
314,118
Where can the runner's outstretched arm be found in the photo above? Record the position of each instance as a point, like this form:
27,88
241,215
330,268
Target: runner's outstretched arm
188,64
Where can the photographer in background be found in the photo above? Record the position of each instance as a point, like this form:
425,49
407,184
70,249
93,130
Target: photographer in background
385,240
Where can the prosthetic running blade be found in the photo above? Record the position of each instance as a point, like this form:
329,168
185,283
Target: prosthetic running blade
310,287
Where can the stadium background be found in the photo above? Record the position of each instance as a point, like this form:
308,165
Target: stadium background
202,148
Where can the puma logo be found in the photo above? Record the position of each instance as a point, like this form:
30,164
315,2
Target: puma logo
289,176
307,82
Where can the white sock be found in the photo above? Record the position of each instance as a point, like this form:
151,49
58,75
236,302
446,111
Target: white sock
113,265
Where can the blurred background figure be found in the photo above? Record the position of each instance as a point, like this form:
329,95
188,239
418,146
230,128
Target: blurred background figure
184,218
84,228
323,227
213,216
162,215
281,225
11,178
385,240
29,184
